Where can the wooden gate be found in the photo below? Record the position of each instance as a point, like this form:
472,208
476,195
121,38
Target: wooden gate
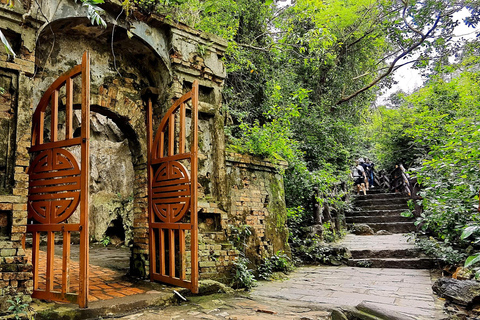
172,193
57,186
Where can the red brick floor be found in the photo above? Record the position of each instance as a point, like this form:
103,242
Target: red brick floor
105,283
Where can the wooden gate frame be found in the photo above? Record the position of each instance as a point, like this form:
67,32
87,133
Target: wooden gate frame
172,200
54,196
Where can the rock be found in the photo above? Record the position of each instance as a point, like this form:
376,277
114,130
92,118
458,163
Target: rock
362,229
206,287
383,233
112,179
315,230
380,312
462,292
338,315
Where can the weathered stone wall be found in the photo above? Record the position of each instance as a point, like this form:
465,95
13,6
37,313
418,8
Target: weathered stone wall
257,200
15,126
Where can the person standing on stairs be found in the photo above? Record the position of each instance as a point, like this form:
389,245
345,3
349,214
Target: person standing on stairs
366,171
358,176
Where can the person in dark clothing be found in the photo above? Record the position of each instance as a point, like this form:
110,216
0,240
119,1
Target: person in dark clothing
369,173
366,168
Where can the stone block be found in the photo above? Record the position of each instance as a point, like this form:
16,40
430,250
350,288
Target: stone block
19,229
8,275
8,252
6,206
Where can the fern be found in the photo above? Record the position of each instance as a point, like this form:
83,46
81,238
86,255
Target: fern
94,12
7,46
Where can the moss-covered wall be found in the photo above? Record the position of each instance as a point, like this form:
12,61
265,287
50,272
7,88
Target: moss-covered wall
257,199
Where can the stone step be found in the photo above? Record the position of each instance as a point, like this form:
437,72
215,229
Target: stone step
381,201
393,227
377,191
375,213
377,219
405,263
387,253
380,195
384,206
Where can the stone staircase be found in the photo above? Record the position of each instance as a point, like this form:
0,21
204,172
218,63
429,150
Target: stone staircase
381,211
387,249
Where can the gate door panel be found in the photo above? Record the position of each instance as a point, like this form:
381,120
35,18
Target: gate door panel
172,193
58,186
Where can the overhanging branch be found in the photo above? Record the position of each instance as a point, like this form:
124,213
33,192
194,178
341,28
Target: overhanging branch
392,66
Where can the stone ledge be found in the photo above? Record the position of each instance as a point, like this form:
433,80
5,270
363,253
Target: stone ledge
12,199
249,161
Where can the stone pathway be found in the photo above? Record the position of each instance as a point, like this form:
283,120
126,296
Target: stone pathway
402,290
225,307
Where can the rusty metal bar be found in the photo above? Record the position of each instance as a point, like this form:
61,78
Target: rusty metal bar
35,257
151,218
66,263
50,260
171,135
182,129
162,251
181,243
162,146
54,117
41,128
171,251
85,177
194,189
69,110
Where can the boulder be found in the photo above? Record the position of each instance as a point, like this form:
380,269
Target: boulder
362,229
462,292
380,312
383,233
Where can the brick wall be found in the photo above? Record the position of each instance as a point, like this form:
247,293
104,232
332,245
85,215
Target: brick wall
15,271
15,114
257,199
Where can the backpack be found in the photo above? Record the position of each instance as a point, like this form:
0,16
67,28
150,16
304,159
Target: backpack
360,173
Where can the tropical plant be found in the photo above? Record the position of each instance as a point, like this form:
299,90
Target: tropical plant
279,262
18,307
6,45
243,277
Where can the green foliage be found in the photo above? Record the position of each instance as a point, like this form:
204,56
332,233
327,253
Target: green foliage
6,45
105,241
329,234
308,249
243,277
436,129
314,251
440,250
18,307
94,12
273,139
279,262
364,263
239,236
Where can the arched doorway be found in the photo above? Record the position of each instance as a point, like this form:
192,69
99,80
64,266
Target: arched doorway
59,185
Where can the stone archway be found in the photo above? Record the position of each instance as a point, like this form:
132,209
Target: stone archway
116,84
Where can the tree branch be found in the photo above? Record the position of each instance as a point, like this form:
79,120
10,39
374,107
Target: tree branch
244,45
393,64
